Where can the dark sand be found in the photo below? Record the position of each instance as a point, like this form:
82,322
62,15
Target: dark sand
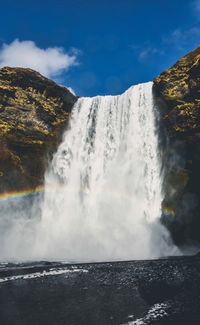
165,291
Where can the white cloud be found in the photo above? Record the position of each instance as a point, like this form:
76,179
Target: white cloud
181,39
71,90
148,52
50,62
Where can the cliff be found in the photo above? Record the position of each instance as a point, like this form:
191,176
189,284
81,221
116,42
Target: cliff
177,94
33,112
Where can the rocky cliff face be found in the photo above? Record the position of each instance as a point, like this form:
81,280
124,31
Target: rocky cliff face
177,93
33,112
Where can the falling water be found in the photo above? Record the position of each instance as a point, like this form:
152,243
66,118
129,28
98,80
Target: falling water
103,191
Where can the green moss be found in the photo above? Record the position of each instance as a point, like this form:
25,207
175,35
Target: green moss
33,112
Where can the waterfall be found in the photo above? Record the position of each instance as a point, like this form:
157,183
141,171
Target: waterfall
104,187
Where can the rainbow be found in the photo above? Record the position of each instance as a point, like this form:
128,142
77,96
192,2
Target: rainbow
19,194
169,211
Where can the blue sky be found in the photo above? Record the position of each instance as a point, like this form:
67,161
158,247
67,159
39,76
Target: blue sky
98,47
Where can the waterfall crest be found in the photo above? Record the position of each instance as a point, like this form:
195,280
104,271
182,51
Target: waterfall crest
104,188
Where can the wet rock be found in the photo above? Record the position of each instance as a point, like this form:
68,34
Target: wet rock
177,96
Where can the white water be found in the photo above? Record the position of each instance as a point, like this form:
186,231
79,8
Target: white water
103,190
108,205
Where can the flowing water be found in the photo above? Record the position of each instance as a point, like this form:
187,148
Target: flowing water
103,190
107,183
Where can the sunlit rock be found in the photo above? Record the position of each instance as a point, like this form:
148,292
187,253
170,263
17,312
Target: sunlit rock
33,112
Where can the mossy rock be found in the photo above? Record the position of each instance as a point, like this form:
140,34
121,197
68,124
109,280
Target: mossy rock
33,114
177,97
